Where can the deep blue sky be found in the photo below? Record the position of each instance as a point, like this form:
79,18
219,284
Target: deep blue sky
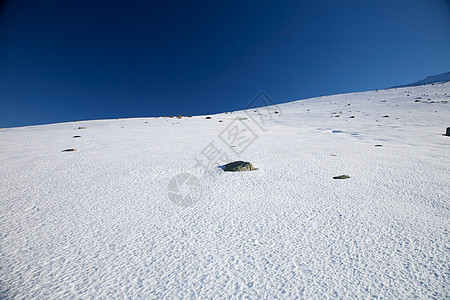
75,60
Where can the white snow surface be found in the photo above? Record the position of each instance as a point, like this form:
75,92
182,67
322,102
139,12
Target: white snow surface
97,223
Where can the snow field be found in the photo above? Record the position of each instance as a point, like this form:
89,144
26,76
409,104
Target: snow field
97,222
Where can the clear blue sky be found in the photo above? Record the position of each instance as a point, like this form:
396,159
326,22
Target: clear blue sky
76,60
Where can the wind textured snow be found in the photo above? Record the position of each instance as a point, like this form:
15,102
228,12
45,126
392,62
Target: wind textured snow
98,223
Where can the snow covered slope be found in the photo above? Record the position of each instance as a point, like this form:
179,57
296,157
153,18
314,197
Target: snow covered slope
98,222
440,78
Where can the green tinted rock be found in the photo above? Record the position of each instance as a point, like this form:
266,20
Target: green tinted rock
238,166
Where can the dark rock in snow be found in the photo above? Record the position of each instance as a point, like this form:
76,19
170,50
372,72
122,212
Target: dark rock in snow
69,150
237,166
447,132
341,177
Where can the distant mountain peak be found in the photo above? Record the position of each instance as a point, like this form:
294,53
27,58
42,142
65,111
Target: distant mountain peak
440,78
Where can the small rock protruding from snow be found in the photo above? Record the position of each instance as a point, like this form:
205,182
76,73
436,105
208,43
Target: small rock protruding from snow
341,177
238,166
447,132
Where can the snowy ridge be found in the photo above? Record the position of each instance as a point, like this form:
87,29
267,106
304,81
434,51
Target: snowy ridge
440,78
97,222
